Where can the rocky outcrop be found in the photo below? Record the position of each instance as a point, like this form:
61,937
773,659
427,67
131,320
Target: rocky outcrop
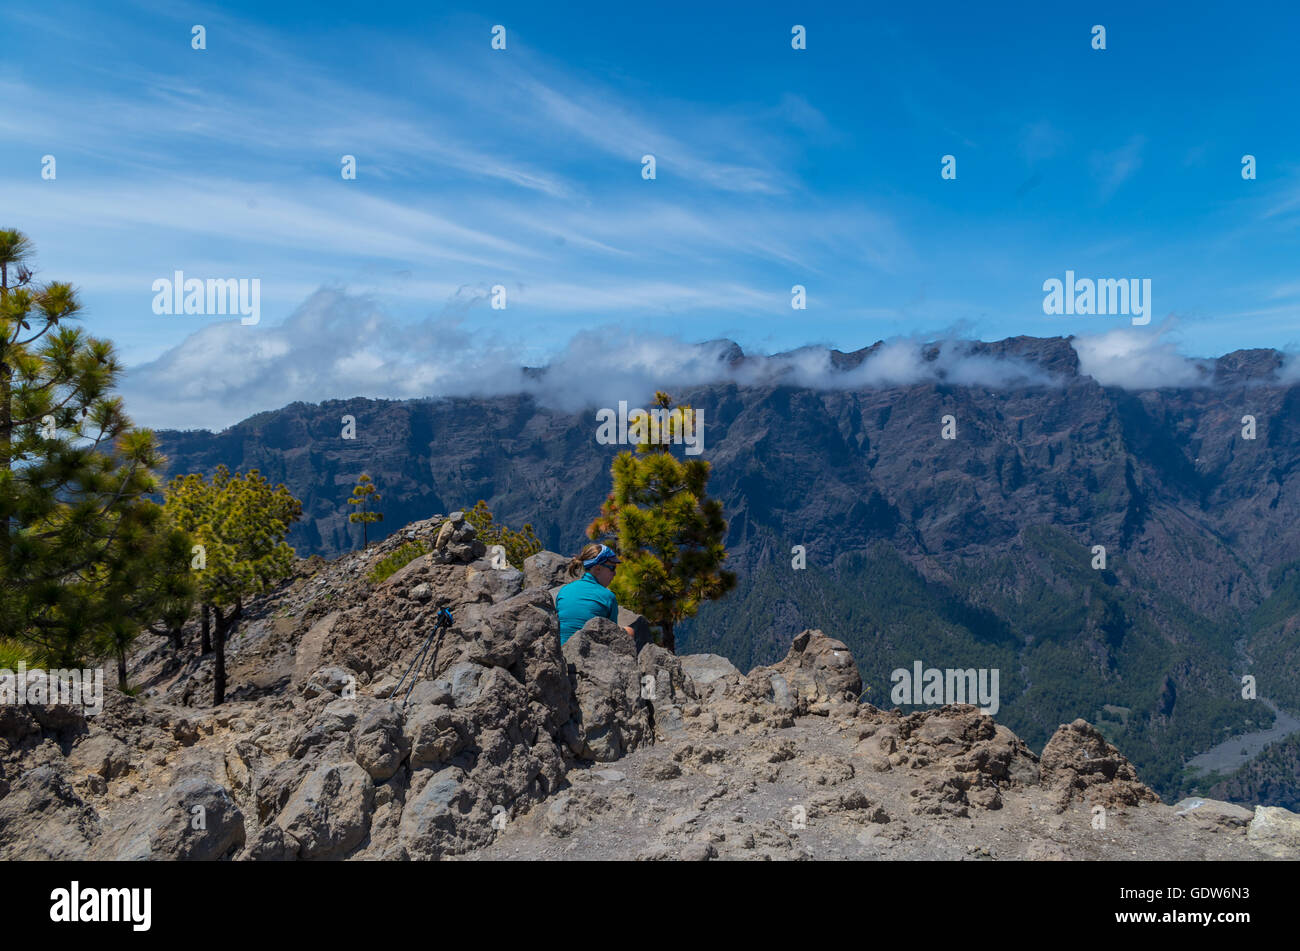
403,741
611,717
1275,831
1078,763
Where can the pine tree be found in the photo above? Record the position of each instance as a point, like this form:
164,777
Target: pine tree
77,532
239,524
518,545
362,494
669,532
146,577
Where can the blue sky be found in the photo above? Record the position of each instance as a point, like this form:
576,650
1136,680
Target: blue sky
522,167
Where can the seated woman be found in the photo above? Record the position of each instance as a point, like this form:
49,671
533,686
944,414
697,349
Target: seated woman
588,597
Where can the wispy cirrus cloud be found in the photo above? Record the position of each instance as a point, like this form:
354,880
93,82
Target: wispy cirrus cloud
1112,169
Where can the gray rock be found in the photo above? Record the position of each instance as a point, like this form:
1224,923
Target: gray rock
464,679
380,743
781,698
321,733
435,734
328,679
346,711
546,569
1214,814
611,719
421,592
1276,832
507,630
819,672
101,754
561,817
668,686
642,634
459,553
196,820
270,844
486,583
704,669
272,787
329,815
436,819
42,818
428,692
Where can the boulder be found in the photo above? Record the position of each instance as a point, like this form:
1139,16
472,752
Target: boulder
100,754
329,815
434,734
817,675
506,630
612,719
1079,763
546,569
437,819
196,820
42,818
665,687
463,679
380,744
705,669
1215,815
270,844
333,680
426,693
484,582
1275,832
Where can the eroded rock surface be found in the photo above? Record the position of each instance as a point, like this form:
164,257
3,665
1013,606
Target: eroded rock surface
502,744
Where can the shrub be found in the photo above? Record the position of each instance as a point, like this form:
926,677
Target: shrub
396,561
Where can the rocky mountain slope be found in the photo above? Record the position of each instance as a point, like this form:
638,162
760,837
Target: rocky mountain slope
509,746
974,552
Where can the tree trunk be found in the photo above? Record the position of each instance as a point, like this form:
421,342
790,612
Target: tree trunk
224,627
670,641
121,670
219,673
205,645
175,634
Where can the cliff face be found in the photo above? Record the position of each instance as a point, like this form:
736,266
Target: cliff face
509,746
978,551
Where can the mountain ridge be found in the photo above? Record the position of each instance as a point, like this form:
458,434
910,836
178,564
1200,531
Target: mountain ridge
987,539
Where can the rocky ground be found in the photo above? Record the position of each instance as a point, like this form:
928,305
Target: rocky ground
513,748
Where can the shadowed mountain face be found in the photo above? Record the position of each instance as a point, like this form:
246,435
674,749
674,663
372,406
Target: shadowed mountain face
978,551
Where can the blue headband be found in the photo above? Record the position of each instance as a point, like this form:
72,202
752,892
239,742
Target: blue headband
606,554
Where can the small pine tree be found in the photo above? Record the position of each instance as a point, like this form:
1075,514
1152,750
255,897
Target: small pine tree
362,494
240,522
669,532
518,545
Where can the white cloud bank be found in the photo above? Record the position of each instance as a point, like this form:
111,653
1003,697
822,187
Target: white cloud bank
338,345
